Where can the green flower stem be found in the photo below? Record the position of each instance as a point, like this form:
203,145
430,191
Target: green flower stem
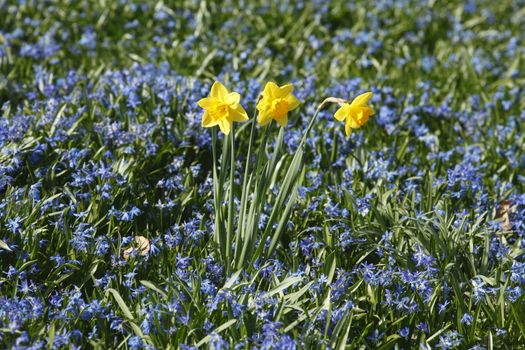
287,190
231,206
242,236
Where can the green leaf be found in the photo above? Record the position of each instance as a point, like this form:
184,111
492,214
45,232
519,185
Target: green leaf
219,329
233,278
121,303
51,336
4,245
151,286
284,284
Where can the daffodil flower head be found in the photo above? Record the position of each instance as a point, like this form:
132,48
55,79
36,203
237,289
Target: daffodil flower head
222,108
275,103
355,114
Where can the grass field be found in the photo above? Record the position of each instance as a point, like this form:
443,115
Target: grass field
126,224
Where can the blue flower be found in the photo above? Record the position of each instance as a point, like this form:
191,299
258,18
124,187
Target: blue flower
404,332
450,340
135,343
14,225
467,319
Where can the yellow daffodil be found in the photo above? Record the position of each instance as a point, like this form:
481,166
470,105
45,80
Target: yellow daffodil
275,103
222,108
355,114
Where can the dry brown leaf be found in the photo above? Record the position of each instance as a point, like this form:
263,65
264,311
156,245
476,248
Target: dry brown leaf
504,214
141,244
332,100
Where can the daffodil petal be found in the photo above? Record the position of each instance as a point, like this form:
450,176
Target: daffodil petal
352,121
264,118
285,90
232,98
218,90
225,126
267,89
341,113
262,105
206,102
239,114
207,120
271,90
293,102
348,129
362,100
